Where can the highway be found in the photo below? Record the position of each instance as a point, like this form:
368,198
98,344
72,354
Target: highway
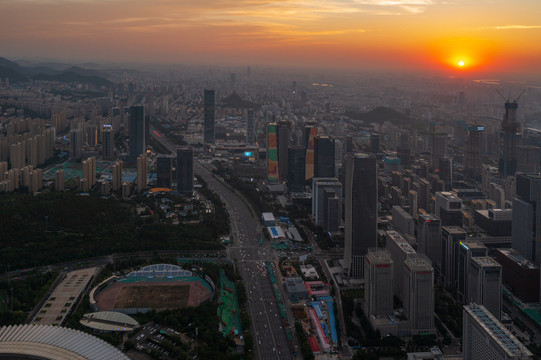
270,339
269,334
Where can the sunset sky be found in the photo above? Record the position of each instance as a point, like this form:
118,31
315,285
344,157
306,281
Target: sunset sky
488,35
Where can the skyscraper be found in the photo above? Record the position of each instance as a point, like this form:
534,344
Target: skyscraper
485,338
485,284
319,185
472,159
208,122
451,236
378,270
250,127
448,209
185,170
272,153
282,143
310,132
466,252
526,224
141,172
429,238
164,171
400,251
296,171
510,135
137,132
107,142
418,294
360,211
324,156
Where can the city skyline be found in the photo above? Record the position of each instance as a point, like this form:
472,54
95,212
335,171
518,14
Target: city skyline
428,35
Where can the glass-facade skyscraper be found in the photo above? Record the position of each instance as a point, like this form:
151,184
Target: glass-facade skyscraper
137,132
361,211
185,170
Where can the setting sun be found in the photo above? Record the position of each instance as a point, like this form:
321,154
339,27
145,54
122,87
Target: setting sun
461,63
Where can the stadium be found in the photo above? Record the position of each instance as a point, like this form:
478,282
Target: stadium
53,343
154,287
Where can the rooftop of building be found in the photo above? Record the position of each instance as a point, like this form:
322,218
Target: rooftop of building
419,263
472,244
401,242
448,195
497,331
428,217
516,257
379,255
453,229
109,321
53,342
485,261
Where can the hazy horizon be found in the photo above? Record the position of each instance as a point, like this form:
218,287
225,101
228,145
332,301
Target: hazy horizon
429,36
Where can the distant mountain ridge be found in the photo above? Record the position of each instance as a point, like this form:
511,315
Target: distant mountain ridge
16,73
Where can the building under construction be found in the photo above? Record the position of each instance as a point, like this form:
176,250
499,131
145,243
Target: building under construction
510,136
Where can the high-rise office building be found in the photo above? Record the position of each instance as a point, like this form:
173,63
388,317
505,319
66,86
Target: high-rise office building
451,236
439,148
466,251
164,166
282,142
185,170
526,229
310,132
472,149
400,251
485,284
429,238
360,211
296,168
209,100
318,197
250,127
485,338
424,198
332,211
402,220
107,141
510,136
528,158
141,172
378,270
324,156
272,153
418,294
448,209
446,171
137,132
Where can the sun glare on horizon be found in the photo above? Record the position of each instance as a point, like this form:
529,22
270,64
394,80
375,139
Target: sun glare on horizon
461,63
